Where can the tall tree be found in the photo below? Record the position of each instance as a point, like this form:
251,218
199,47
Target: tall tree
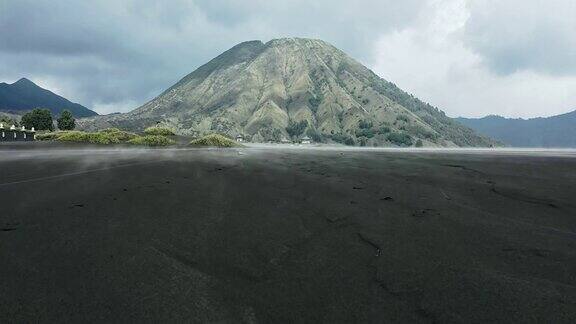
66,121
40,119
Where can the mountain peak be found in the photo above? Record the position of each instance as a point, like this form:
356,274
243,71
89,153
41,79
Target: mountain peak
24,82
24,95
298,40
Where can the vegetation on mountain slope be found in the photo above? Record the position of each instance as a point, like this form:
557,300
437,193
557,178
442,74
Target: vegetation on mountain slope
290,88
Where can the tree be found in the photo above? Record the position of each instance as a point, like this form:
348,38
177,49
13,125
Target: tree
66,121
40,119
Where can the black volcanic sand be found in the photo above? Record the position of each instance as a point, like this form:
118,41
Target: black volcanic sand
271,236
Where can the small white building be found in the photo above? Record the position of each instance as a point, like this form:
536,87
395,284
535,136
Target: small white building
239,138
306,140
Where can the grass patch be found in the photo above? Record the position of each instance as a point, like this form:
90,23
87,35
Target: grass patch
159,131
50,136
215,140
106,137
151,140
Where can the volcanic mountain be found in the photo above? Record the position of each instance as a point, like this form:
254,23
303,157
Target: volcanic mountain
289,88
24,95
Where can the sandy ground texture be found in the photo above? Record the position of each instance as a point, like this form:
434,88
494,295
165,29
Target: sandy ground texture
261,235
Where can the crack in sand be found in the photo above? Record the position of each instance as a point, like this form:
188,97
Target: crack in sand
522,198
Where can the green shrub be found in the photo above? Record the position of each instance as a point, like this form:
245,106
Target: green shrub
215,140
400,139
155,130
117,135
74,136
151,140
403,118
384,130
349,141
270,134
315,102
343,139
419,143
296,129
420,131
365,124
365,132
102,138
110,130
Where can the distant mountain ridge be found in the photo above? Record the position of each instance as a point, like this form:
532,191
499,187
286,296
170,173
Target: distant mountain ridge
271,91
557,131
24,95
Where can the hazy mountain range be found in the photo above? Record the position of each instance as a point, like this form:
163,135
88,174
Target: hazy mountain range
24,95
293,87
555,131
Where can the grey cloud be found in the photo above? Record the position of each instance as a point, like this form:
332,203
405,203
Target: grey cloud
518,35
116,51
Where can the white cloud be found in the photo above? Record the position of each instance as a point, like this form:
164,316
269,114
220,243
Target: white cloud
432,60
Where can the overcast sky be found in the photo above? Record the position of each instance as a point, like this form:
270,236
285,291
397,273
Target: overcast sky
515,58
